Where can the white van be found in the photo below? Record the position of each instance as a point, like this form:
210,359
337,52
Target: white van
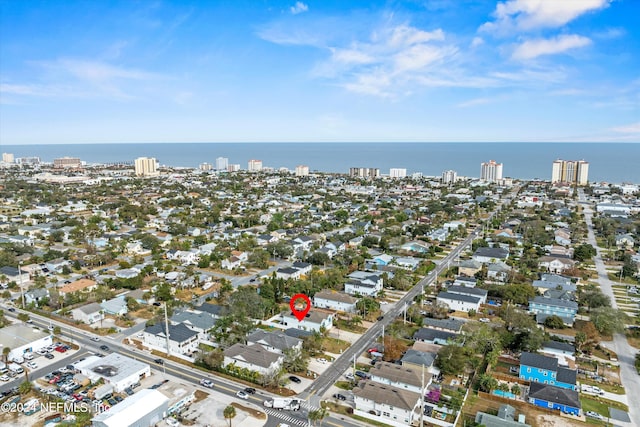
14,367
17,359
28,356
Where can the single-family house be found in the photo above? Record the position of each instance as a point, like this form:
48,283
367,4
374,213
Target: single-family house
81,285
89,313
504,418
303,267
560,350
288,273
198,321
469,267
334,300
489,255
408,263
13,275
34,296
459,302
439,234
544,307
416,360
556,263
276,342
545,370
468,282
625,241
399,376
56,265
498,271
116,306
472,292
315,320
385,404
253,357
556,398
450,324
562,237
365,283
182,340
433,336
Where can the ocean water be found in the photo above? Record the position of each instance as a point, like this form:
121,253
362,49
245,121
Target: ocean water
610,162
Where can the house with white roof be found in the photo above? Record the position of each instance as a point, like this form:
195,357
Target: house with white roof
334,300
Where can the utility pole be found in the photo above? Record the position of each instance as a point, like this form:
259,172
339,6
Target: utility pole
405,314
21,284
166,325
422,399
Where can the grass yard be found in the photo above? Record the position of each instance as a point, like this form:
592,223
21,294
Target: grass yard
589,404
334,345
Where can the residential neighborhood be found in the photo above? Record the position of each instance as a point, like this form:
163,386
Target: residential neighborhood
484,309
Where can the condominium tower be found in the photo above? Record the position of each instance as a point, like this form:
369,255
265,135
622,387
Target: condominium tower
449,177
254,165
397,173
491,171
302,170
364,172
222,163
570,172
146,166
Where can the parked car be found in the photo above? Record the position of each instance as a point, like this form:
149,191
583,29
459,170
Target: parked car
49,356
322,360
362,375
295,379
242,395
349,376
339,396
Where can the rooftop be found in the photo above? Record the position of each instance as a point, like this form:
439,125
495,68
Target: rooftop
387,395
19,334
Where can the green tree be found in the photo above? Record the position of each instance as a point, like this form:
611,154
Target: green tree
608,320
317,415
451,360
229,413
584,252
294,361
487,383
25,387
554,322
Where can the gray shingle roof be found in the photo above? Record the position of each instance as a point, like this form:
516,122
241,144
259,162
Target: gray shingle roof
178,333
418,358
539,361
458,297
555,302
567,376
555,394
557,345
492,252
455,289
278,340
387,395
450,324
427,334
253,353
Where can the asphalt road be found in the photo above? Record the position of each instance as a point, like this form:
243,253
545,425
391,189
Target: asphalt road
342,363
626,354
193,376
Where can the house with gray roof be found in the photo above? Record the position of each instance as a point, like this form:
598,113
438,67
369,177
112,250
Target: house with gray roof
385,404
399,376
116,306
416,360
89,313
450,325
433,336
198,321
334,300
459,302
34,296
276,342
504,418
472,292
182,340
253,357
551,397
490,255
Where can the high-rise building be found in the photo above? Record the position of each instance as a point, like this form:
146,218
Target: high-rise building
222,163
364,172
235,167
67,162
491,171
302,170
7,157
205,166
146,166
254,165
449,177
570,172
397,173
28,160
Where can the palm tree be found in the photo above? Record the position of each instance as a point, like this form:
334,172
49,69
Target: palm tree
229,413
318,415
5,353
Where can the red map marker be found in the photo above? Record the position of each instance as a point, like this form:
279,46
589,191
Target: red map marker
300,314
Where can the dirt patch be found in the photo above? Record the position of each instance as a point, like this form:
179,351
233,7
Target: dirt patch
253,412
200,395
553,421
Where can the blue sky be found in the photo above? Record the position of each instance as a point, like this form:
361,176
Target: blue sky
259,70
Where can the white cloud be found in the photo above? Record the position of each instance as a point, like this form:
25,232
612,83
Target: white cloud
537,47
299,7
474,102
531,14
477,41
631,128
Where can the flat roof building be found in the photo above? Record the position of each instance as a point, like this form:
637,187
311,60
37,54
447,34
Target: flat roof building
22,338
144,409
116,369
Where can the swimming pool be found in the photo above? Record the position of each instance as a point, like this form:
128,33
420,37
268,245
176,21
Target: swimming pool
506,394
